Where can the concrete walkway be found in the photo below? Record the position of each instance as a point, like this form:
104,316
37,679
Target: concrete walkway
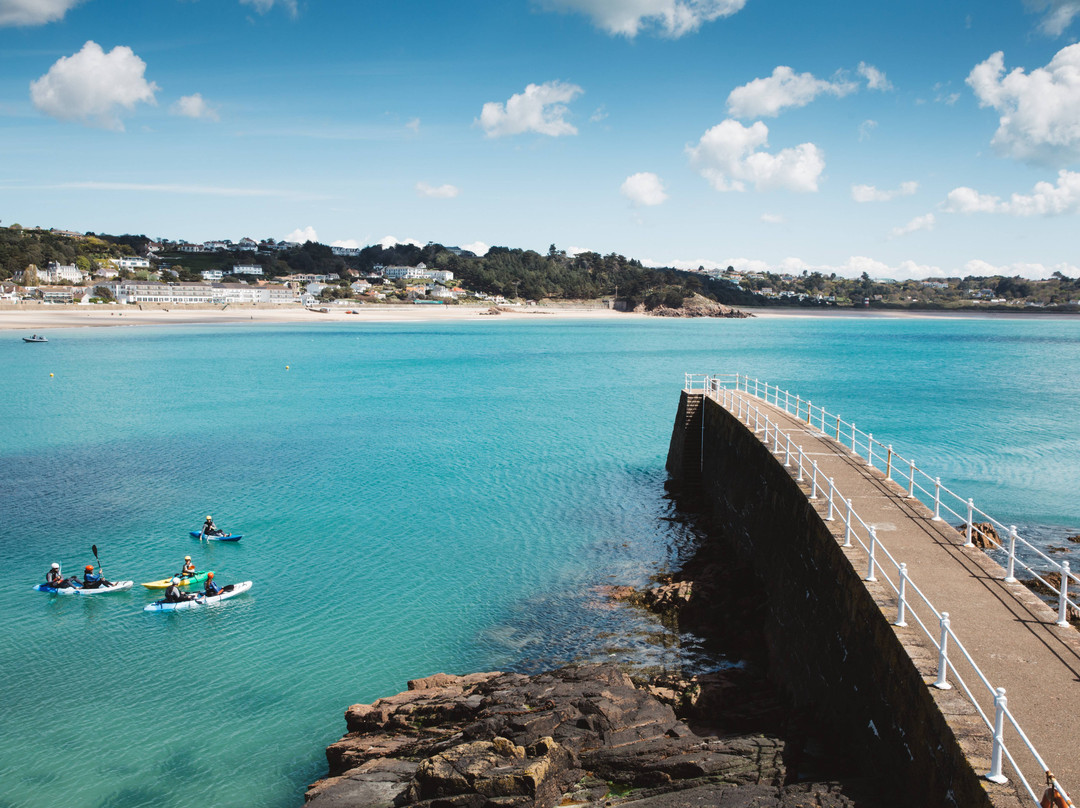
1008,631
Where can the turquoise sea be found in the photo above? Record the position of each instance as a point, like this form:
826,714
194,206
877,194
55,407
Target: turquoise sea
413,498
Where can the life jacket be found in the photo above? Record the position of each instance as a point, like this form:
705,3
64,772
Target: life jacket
189,569
172,593
211,588
53,576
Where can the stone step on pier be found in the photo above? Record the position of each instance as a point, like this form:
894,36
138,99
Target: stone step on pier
1008,631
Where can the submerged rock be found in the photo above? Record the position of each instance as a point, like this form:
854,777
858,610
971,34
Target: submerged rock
581,735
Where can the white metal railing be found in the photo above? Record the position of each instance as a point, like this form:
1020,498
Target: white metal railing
933,623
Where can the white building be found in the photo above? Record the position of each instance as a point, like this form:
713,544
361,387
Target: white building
247,269
359,287
61,273
212,275
248,244
130,264
347,251
184,247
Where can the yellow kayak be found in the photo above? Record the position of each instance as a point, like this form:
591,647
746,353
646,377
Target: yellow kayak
197,578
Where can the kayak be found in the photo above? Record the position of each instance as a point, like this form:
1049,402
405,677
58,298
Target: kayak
232,590
117,586
195,534
197,578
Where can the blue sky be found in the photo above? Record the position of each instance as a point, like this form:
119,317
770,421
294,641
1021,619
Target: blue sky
850,136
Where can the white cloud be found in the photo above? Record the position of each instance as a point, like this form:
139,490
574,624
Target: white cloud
1040,110
784,88
194,106
599,115
263,6
1033,271
390,241
574,251
93,86
349,243
541,108
33,12
875,79
413,125
855,266
1045,199
865,128
772,218
478,247
728,157
644,188
1058,15
302,235
924,222
437,192
629,17
868,193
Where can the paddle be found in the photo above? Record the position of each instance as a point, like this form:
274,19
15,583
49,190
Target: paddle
99,572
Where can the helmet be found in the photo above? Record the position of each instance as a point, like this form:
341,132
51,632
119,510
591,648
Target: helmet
209,575
55,566
187,558
176,580
89,567
209,518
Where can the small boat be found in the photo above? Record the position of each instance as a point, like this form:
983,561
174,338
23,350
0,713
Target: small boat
197,578
230,591
34,338
195,534
116,586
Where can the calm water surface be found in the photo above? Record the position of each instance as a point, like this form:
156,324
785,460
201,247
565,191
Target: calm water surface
414,498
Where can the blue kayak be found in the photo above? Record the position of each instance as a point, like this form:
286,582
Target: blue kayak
227,537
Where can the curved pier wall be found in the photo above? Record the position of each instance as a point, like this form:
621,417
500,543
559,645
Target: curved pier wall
832,648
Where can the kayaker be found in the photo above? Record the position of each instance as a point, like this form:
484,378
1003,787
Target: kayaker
211,589
188,569
210,529
92,580
173,593
55,578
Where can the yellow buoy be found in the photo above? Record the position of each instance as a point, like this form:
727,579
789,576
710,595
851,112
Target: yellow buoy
50,375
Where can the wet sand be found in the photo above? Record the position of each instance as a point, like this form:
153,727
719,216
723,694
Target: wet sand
44,318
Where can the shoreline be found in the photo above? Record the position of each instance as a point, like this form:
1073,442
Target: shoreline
40,318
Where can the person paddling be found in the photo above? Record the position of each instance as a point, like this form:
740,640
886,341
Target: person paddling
188,569
211,589
93,580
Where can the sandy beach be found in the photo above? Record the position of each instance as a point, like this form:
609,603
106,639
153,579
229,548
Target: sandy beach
37,318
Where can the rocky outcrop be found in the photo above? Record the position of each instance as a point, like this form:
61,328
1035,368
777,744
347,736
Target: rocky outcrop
983,535
584,736
698,306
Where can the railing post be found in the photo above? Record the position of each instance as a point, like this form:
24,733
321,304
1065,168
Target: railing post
1010,578
838,429
853,449
787,401
870,576
901,603
937,499
822,420
809,410
787,452
832,507
847,526
943,655
888,465
870,448
798,406
971,513
911,482
813,494
757,420
800,465
775,438
995,775
1063,596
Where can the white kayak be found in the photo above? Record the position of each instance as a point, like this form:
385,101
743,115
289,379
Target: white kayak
117,586
227,592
